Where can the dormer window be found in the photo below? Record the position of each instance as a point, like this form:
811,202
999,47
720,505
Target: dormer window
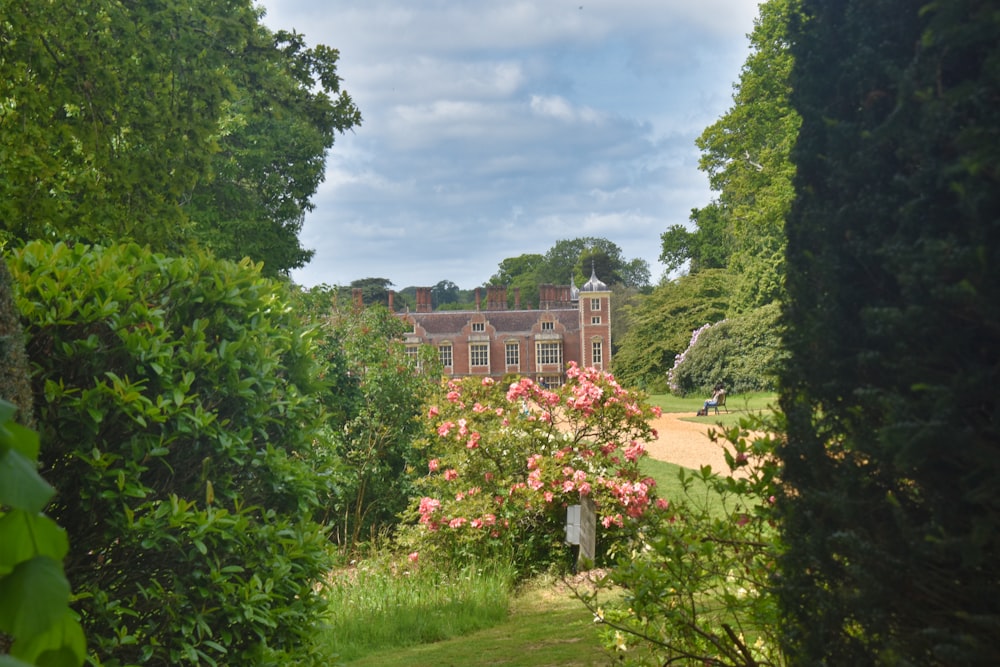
478,327
548,326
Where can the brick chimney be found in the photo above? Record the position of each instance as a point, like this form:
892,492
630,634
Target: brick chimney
477,298
517,298
424,300
496,297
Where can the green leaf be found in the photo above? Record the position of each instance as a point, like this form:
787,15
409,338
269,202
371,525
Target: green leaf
20,484
20,438
62,645
9,661
34,596
26,535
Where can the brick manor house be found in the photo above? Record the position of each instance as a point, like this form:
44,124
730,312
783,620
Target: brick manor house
570,324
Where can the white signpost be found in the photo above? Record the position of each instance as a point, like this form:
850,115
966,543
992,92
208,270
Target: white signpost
581,529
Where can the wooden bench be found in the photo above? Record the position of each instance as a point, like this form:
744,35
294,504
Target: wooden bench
721,404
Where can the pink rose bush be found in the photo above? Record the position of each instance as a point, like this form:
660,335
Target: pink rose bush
507,458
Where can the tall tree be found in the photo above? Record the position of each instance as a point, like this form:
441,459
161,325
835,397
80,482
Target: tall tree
746,156
273,139
520,273
893,314
661,325
162,122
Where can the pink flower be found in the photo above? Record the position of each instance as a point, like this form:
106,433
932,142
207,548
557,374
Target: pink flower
414,556
460,496
584,488
549,496
453,396
429,505
662,504
634,450
433,465
488,477
445,428
488,381
463,427
657,411
476,523
533,461
568,486
535,480
450,474
609,520
457,522
478,407
489,519
473,442
433,412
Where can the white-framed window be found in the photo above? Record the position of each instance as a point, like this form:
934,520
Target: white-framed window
595,304
478,327
548,353
512,353
595,320
445,355
551,381
479,354
597,352
548,326
413,354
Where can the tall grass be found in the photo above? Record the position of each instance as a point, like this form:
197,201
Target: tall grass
381,605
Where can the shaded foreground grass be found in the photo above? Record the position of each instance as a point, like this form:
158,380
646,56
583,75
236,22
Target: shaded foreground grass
546,627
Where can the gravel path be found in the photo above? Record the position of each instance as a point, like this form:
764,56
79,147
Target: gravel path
686,443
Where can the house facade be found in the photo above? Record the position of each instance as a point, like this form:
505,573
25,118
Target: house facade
570,324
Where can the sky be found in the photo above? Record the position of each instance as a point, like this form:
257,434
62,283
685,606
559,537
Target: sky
495,128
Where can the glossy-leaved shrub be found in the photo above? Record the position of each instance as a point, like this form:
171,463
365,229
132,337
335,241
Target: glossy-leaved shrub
37,626
178,400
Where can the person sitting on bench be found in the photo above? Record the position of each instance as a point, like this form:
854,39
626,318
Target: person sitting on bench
718,395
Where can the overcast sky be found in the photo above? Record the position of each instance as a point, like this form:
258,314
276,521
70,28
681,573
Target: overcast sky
495,128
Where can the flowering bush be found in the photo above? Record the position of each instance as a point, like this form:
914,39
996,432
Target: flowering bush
506,459
695,585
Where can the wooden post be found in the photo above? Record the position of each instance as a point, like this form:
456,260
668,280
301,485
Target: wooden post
588,533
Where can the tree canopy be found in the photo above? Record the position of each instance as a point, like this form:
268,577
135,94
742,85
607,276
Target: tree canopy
746,156
166,123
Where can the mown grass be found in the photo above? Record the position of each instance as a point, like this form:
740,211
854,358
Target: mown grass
546,626
382,605
738,405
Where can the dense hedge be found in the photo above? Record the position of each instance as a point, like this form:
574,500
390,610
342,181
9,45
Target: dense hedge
891,462
178,400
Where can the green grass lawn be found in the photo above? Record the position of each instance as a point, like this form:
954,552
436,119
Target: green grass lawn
738,405
546,627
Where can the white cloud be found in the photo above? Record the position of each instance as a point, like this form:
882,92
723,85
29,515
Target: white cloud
495,129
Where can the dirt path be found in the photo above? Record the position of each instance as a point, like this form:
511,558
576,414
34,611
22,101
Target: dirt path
686,443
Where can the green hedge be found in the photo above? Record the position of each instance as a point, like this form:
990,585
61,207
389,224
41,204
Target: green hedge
178,401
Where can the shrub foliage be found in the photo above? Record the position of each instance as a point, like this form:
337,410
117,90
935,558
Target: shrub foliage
178,400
